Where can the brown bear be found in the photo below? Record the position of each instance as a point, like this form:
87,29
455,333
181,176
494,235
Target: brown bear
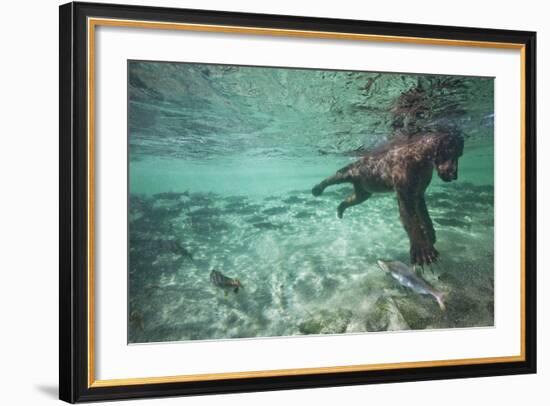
404,165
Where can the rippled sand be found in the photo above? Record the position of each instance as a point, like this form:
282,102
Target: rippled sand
304,271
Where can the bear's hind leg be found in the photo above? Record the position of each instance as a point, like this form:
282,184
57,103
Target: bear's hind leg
357,197
341,176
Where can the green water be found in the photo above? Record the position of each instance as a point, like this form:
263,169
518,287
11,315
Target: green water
222,162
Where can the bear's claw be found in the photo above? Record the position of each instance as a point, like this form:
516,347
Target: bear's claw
423,255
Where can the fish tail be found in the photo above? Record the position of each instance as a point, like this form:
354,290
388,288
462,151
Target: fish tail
383,265
440,297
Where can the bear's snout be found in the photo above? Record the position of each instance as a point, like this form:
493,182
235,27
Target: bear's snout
448,170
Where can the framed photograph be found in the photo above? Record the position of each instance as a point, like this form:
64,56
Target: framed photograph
256,202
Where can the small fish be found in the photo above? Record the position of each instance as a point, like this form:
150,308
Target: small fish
402,273
220,280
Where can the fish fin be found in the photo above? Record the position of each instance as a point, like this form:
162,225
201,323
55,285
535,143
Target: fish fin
236,290
225,293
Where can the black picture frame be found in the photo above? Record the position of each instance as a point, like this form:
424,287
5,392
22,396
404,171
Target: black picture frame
74,385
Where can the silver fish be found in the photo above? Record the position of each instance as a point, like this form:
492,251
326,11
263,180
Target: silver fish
403,274
220,280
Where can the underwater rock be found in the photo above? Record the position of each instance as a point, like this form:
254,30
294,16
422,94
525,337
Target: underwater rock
385,316
418,311
326,322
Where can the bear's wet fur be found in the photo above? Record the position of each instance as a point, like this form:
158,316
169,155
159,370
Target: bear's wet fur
404,165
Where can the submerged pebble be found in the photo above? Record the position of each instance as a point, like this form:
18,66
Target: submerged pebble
326,322
385,316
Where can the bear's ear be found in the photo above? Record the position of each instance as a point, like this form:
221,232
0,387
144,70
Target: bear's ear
445,146
442,148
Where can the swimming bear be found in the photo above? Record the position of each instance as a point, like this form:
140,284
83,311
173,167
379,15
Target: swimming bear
405,165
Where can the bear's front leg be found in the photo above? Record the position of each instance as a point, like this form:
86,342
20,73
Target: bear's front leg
425,220
422,251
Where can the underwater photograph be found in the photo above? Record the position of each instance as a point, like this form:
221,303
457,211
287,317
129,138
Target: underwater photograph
271,201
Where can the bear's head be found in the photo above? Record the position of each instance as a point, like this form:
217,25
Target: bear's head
449,147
